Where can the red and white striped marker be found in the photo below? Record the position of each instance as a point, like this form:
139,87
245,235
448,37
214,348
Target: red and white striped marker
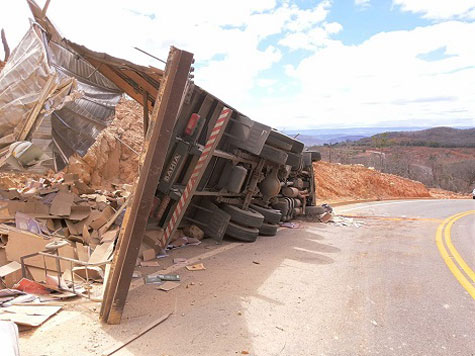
203,161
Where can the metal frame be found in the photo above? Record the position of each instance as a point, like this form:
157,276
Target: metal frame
57,258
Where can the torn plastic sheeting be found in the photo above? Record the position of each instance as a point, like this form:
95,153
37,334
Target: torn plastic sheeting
80,106
76,125
21,82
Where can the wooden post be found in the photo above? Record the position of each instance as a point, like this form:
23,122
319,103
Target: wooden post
162,122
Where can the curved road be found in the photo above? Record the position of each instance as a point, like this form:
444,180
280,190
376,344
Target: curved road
429,294
377,284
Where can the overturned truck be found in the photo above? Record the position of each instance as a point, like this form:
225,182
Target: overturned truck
204,163
207,164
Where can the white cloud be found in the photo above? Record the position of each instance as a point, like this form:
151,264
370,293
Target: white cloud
363,3
382,79
439,9
211,29
225,37
305,19
265,82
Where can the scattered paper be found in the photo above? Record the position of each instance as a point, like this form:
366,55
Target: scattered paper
149,264
197,267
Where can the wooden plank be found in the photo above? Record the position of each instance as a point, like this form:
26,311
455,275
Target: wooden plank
49,87
135,336
162,121
141,82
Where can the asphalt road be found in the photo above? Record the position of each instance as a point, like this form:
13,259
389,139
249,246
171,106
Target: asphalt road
378,286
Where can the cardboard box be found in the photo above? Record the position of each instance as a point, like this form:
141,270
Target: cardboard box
22,243
3,257
10,274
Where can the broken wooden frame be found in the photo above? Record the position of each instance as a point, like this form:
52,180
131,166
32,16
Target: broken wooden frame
162,121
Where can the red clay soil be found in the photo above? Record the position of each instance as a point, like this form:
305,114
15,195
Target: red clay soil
338,182
446,194
114,157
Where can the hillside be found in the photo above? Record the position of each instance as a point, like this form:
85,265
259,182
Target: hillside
338,182
434,137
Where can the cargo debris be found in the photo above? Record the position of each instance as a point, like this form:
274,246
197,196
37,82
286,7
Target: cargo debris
206,170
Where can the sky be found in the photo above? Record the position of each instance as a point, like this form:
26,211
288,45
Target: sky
295,64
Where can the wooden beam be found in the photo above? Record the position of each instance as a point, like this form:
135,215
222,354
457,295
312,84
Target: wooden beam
6,49
146,118
45,8
141,82
135,336
157,140
49,87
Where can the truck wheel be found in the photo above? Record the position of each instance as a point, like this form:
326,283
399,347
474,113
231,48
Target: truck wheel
272,216
273,154
268,229
282,206
249,218
243,233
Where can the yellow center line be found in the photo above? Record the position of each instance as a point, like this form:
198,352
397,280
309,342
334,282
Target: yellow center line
453,250
447,225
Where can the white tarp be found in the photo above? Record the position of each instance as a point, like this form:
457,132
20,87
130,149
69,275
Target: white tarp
21,82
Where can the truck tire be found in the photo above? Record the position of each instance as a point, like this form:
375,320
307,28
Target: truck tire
242,233
268,229
278,140
283,207
249,218
272,216
273,154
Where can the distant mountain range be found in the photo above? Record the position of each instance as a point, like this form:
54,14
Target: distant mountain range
316,137
434,137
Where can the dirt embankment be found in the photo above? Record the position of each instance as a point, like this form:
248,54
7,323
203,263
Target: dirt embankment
114,157
338,182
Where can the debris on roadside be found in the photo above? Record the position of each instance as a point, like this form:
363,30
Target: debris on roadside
56,237
345,221
168,286
206,170
160,278
149,264
9,337
291,225
322,213
196,267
